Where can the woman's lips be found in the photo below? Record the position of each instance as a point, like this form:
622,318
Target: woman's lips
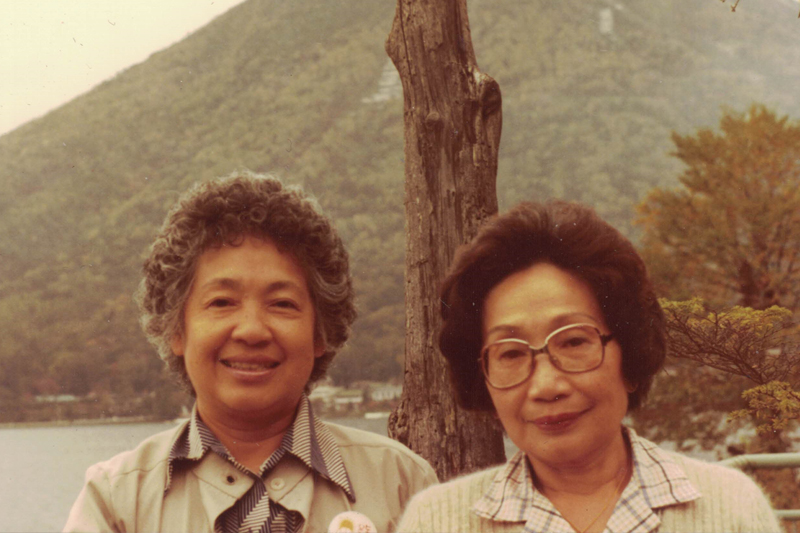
255,371
555,422
249,366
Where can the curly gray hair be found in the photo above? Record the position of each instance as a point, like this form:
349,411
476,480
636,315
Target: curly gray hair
225,211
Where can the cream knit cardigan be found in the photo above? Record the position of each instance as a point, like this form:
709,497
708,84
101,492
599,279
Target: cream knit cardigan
730,502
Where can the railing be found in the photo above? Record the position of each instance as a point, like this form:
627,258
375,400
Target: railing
771,460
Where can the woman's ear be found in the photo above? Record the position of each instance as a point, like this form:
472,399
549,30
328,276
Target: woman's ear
319,348
177,345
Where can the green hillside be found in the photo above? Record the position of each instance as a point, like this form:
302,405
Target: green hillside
302,89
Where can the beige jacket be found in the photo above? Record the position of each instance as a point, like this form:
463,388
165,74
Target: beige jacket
126,493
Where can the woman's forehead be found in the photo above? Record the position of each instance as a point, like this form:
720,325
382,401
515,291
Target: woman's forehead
543,298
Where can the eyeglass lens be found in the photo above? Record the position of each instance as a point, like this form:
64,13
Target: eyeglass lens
575,349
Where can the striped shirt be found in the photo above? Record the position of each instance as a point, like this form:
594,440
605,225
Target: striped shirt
307,439
657,482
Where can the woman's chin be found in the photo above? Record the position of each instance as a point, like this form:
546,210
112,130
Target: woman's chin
567,448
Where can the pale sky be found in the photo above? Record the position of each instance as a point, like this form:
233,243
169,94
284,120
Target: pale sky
54,50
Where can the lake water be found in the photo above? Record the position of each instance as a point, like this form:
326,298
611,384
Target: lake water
42,469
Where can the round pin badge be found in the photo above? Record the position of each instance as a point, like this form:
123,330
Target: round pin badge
351,522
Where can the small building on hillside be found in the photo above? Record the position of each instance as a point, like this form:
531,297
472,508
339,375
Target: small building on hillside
56,398
348,400
324,395
385,392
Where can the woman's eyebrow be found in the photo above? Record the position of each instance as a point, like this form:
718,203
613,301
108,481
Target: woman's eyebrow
556,322
502,328
220,283
572,318
231,283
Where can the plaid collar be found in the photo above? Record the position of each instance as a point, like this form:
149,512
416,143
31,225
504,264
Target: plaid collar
307,438
657,482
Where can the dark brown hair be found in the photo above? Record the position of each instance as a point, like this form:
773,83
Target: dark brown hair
225,211
572,237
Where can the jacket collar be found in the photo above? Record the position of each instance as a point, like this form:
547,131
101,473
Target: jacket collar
308,439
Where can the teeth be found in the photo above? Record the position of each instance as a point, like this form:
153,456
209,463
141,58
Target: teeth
552,422
249,366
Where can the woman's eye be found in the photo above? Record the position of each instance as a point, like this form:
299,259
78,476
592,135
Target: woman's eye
512,354
219,302
574,342
286,304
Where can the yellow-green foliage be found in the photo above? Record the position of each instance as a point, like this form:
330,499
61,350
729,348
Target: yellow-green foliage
760,345
713,357
772,405
697,313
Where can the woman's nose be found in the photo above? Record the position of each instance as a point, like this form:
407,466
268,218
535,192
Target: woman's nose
252,327
547,382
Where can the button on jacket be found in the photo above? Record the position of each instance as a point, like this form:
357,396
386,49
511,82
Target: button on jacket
127,492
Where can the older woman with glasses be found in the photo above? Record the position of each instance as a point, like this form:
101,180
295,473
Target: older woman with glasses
551,322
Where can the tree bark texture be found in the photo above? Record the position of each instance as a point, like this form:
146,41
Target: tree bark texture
452,115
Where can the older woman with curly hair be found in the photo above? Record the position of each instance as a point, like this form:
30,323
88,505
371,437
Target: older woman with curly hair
247,297
551,323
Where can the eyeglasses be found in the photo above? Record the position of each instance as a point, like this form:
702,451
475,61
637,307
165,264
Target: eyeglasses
573,349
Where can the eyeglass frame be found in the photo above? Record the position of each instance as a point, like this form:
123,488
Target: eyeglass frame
604,339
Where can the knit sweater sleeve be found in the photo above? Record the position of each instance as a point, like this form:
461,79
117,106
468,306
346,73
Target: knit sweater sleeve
448,508
757,514
730,501
413,517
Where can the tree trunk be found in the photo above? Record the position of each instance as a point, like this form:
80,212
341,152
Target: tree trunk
452,115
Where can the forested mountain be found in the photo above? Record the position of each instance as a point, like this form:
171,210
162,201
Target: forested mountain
303,89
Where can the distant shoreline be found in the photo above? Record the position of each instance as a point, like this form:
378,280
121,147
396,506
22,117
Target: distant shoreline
84,422
153,420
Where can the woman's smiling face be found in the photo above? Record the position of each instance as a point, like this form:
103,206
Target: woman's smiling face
248,338
556,418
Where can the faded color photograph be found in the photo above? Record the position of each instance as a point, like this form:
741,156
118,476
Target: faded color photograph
406,129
